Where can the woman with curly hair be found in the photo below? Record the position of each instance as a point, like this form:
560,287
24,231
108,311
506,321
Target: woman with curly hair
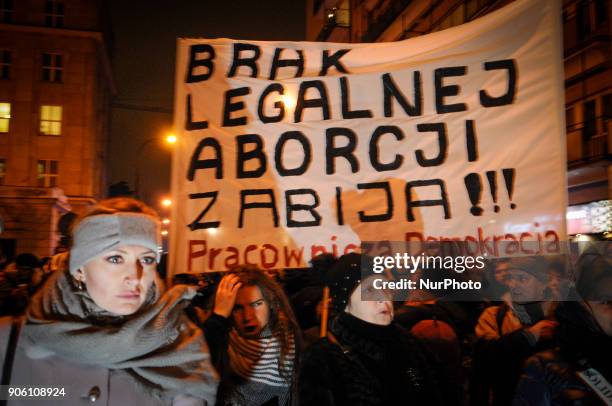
253,338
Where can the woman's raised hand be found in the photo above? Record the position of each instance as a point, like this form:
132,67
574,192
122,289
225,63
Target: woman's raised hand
226,295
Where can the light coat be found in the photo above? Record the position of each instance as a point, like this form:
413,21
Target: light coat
82,384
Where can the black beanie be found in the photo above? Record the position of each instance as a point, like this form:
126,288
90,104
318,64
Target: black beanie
344,276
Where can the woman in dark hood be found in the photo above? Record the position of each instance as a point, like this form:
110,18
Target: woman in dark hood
366,358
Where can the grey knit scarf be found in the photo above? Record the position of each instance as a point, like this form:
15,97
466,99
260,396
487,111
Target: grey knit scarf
158,347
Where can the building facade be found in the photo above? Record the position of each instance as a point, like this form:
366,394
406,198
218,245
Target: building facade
55,91
587,45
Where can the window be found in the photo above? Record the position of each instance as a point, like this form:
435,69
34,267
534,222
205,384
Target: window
2,170
458,16
5,117
601,11
5,64
474,8
471,8
47,173
606,102
569,118
51,120
590,15
54,13
589,119
52,67
6,11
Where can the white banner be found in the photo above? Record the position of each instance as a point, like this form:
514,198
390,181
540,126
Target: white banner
291,149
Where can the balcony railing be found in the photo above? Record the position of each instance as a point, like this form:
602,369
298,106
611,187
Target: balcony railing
380,24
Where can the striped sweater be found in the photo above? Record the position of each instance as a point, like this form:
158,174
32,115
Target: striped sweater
258,359
248,367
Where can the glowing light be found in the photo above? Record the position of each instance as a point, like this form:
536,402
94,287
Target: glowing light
166,221
166,202
212,231
171,139
164,233
288,101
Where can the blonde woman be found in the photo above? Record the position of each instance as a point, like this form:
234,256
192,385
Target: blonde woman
103,330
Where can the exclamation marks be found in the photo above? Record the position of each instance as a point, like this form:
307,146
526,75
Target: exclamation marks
509,175
473,185
493,187
471,143
474,189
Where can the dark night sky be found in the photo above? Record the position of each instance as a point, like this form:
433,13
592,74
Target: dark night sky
145,33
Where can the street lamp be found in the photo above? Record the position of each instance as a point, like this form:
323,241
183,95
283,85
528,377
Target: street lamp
170,139
289,101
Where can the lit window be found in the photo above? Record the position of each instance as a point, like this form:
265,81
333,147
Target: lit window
5,64
52,67
47,173
6,11
2,170
51,120
54,13
5,117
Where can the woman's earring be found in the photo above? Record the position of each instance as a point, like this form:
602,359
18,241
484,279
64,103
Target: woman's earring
79,283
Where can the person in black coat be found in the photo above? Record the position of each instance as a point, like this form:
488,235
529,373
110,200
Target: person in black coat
366,359
561,376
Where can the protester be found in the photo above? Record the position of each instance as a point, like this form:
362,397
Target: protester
103,329
558,282
443,327
560,376
26,270
20,280
511,332
254,340
496,279
306,302
366,359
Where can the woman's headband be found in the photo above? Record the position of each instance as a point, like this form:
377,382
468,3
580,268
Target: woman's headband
100,233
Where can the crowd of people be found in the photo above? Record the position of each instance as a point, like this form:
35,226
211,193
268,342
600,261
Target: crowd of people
100,323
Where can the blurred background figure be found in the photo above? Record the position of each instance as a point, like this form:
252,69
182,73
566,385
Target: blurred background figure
509,333
579,371
20,279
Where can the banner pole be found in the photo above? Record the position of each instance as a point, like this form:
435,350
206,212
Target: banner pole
324,312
